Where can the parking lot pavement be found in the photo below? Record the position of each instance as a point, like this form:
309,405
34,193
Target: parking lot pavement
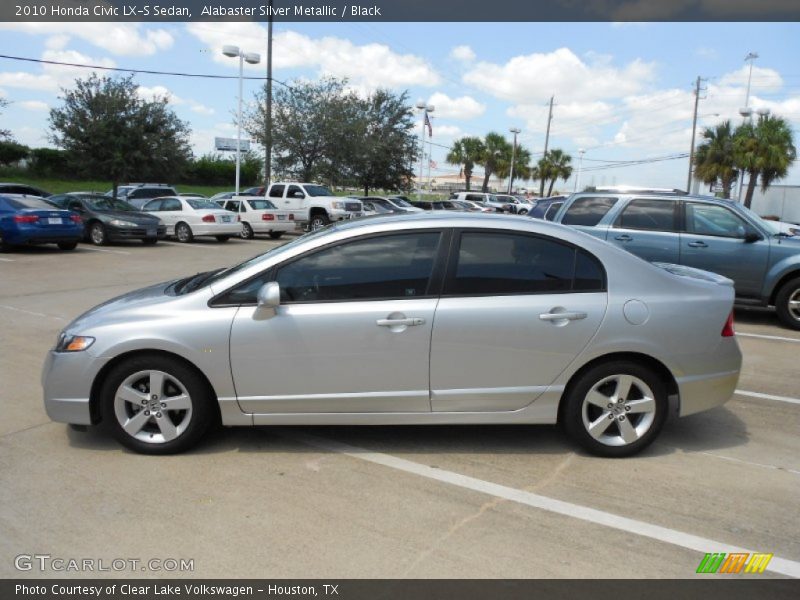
493,501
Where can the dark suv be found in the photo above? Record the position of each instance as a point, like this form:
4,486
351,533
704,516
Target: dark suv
698,231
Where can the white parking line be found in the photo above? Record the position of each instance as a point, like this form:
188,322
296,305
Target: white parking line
190,245
104,250
767,396
782,566
30,312
768,337
7,259
750,463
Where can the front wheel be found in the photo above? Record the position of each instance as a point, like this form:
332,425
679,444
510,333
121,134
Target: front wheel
616,409
97,234
787,304
67,245
156,405
275,235
318,221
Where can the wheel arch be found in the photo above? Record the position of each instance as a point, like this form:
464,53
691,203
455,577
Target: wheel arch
780,283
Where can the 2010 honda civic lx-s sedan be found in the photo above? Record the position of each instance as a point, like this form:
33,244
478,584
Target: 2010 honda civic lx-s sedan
418,319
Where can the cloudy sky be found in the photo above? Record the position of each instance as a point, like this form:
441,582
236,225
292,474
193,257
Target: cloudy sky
622,91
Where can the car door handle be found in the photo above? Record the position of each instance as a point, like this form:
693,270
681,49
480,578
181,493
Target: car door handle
698,245
562,316
395,322
624,238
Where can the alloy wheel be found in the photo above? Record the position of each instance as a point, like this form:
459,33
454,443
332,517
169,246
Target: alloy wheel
618,410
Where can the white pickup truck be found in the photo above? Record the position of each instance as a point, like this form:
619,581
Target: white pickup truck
313,205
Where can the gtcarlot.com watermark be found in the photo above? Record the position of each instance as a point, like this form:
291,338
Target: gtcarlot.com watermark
46,563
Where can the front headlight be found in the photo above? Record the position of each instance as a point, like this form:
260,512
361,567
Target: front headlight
121,223
337,205
73,343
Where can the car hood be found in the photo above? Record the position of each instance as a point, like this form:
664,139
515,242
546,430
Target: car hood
123,215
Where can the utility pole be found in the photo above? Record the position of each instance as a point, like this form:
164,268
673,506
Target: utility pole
694,130
546,141
268,119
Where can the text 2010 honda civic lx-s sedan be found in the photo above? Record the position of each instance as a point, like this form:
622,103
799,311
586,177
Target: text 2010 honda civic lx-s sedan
418,319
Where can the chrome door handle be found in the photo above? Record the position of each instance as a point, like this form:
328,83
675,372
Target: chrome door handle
698,245
563,316
624,238
395,322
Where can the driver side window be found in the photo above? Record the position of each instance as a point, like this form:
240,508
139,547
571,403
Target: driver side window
711,219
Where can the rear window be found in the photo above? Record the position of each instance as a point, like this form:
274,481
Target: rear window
202,204
150,192
588,211
21,203
260,204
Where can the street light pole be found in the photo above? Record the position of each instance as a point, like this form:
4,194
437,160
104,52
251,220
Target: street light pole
268,116
252,58
694,131
547,141
581,152
515,131
746,112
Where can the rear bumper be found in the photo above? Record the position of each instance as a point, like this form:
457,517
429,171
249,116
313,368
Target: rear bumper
200,229
711,389
267,226
41,236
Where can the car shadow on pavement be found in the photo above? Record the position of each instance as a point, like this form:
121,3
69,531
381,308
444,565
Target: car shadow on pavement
757,316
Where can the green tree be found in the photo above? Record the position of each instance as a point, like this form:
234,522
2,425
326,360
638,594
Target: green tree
764,149
5,134
714,159
496,157
11,152
555,165
111,132
466,152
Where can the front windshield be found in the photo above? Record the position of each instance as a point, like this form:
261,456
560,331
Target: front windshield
318,190
202,204
102,204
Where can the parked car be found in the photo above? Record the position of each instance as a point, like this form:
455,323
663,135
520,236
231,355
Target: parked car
469,206
484,199
546,208
403,202
187,218
27,220
436,205
377,205
313,205
138,194
22,189
108,220
192,195
564,327
254,191
258,215
698,231
222,196
513,204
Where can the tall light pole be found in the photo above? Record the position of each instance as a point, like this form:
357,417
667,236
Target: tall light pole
547,141
252,58
426,109
747,112
694,131
515,131
268,116
581,152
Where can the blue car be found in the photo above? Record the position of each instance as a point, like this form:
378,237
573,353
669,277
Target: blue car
546,208
28,220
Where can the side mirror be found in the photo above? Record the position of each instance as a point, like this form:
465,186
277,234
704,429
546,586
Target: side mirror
269,295
751,236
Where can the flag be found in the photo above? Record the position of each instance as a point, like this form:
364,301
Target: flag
432,164
428,125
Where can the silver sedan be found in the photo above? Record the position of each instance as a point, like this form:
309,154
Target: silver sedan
419,319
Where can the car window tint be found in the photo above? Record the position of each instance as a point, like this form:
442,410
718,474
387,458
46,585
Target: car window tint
294,192
391,266
588,211
550,213
30,202
507,263
649,214
171,204
475,197
153,206
712,219
276,191
260,204
589,273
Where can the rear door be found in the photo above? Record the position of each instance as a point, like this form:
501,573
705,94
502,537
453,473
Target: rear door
649,228
516,310
171,212
588,213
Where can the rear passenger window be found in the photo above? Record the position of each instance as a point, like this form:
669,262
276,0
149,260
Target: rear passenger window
649,214
588,211
276,191
550,213
492,263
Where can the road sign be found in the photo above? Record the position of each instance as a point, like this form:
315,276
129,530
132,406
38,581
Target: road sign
222,144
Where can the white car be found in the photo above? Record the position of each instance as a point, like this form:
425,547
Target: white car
259,215
187,218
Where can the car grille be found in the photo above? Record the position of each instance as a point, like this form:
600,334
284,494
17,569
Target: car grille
352,206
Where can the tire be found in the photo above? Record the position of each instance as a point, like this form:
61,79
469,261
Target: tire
523,211
222,238
97,234
639,415
67,245
787,304
184,233
318,221
275,235
247,231
127,401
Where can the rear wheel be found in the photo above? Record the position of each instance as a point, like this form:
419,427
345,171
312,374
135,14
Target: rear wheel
156,404
787,303
275,235
616,409
223,238
184,233
97,234
247,231
67,245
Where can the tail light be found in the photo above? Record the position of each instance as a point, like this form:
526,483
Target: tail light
291,216
727,330
75,218
25,218
209,219
267,217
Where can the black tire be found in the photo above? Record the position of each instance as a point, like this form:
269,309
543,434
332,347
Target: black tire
275,235
150,241
788,313
223,238
184,233
247,231
649,423
201,416
318,221
67,245
97,234
522,211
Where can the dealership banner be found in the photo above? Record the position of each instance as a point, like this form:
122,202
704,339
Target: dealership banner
399,10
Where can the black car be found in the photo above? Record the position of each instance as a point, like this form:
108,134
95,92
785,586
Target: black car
108,220
546,208
22,189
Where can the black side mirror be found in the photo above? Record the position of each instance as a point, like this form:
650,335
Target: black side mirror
751,236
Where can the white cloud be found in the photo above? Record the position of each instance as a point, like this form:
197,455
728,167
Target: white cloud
463,108
57,42
446,131
33,105
158,91
124,39
201,109
463,53
535,77
28,81
763,79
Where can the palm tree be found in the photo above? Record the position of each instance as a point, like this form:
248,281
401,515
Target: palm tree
555,165
765,149
496,157
714,160
466,152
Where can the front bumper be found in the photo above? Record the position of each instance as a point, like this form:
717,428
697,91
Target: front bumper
67,379
136,233
343,215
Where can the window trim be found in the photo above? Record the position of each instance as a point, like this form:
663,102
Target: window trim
455,246
676,216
